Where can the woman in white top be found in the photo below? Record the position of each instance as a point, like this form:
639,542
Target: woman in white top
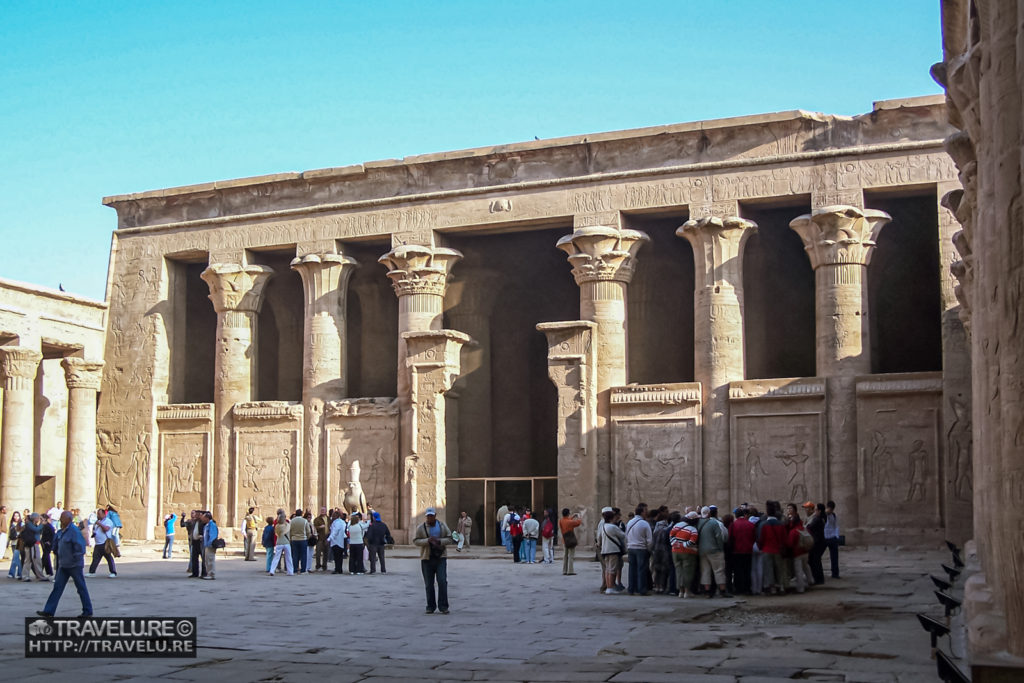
339,530
355,542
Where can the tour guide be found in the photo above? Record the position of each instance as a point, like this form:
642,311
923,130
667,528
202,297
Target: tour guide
432,536
70,561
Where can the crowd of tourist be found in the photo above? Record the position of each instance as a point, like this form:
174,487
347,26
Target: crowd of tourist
697,552
32,540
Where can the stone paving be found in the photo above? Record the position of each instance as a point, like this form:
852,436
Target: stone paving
507,623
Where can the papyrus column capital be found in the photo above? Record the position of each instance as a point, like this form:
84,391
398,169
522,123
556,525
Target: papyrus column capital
323,274
602,253
416,269
80,373
18,366
839,235
718,244
235,287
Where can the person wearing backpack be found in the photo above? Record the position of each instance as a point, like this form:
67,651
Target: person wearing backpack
799,542
548,531
711,538
567,525
515,532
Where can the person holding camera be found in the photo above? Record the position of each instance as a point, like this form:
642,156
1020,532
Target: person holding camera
432,536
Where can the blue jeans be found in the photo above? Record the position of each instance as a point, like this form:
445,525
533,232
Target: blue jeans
15,569
639,560
436,570
506,540
300,556
60,581
168,546
270,556
530,550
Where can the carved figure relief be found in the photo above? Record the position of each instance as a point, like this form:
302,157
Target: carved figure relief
365,451
355,501
184,465
918,458
777,457
265,469
655,462
959,441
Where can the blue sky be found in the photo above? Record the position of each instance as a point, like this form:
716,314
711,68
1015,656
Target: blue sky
108,98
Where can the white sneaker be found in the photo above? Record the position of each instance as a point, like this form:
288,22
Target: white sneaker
112,576
91,574
610,591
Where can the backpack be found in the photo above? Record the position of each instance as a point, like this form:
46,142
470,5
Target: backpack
515,526
549,529
805,540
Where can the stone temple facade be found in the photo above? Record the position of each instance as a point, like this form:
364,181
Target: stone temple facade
677,314
713,312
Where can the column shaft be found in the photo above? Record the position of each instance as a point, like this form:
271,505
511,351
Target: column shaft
603,260
18,367
839,241
83,380
237,294
325,284
718,244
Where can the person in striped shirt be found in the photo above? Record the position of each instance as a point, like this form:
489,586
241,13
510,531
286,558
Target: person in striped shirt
683,537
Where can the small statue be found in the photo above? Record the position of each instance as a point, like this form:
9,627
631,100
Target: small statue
355,500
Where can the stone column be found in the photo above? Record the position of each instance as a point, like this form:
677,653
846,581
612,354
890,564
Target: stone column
718,335
471,296
419,276
572,369
603,260
237,294
18,367
325,283
839,240
433,365
956,381
83,378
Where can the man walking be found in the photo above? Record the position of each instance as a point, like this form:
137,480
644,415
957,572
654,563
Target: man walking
103,532
639,542
432,536
70,562
30,538
250,525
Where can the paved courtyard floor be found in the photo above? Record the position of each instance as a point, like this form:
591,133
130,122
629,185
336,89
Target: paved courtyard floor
507,623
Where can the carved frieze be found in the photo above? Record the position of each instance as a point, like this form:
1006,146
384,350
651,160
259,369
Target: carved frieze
267,410
185,411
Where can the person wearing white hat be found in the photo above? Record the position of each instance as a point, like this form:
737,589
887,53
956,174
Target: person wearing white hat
432,536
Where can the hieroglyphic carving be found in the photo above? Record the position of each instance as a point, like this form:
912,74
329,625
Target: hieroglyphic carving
267,469
364,431
185,459
778,456
898,445
122,474
655,462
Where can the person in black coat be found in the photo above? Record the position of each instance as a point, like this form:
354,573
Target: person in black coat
376,537
46,537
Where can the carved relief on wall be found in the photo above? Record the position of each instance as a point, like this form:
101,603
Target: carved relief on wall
184,459
778,456
122,469
373,442
898,448
655,462
267,470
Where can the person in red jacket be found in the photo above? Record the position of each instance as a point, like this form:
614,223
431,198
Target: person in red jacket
795,530
771,539
741,535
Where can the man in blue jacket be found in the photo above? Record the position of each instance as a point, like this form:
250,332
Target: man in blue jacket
70,561
169,521
210,534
